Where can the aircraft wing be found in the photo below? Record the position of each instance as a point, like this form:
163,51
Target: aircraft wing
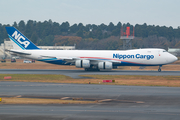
67,60
99,59
72,60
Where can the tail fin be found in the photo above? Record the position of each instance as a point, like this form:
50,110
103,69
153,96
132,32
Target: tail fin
19,40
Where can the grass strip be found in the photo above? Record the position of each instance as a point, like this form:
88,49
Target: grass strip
135,80
133,77
14,100
139,80
35,77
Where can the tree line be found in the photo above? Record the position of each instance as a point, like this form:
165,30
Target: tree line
52,33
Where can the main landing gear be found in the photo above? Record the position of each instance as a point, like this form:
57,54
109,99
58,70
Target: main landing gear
159,70
91,69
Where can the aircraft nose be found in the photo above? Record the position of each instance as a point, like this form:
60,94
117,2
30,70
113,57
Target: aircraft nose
174,58
171,58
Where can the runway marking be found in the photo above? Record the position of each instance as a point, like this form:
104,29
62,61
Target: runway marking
18,96
127,101
64,98
105,100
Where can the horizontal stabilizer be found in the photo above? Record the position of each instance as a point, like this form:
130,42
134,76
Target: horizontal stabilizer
17,52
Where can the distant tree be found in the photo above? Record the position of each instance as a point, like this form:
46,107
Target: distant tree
170,33
94,27
116,32
56,29
110,27
96,36
103,26
80,33
144,30
15,25
99,34
90,35
34,37
74,28
64,27
4,33
29,28
48,40
119,25
88,28
46,32
66,40
177,32
50,22
21,25
80,26
141,30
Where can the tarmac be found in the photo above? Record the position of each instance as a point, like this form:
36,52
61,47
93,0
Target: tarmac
117,102
76,73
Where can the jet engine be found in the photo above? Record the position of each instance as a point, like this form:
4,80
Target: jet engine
82,63
105,65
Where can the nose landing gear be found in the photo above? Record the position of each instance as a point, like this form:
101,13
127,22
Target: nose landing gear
159,70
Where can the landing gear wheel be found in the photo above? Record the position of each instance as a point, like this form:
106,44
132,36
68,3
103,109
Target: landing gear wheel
159,70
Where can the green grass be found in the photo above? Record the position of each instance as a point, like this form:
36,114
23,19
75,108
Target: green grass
135,80
112,77
34,77
63,77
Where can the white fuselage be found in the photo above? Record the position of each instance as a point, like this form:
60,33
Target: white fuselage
137,57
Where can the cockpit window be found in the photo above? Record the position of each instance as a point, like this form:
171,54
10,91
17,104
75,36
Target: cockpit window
164,51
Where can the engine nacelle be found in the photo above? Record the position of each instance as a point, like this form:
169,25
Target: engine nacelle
105,65
82,63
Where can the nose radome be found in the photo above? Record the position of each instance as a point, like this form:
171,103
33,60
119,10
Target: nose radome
176,58
171,58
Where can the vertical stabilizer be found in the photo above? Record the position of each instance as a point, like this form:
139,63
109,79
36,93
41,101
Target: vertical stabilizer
19,40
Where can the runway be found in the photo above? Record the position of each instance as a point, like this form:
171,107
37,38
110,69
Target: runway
76,73
121,102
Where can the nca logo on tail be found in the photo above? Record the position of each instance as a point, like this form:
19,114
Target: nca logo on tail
20,39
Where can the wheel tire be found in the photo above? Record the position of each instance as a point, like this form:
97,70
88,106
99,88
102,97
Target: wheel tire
159,70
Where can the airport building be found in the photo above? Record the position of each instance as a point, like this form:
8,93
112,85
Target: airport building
8,45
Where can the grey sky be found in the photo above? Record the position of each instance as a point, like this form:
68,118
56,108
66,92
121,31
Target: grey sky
152,12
